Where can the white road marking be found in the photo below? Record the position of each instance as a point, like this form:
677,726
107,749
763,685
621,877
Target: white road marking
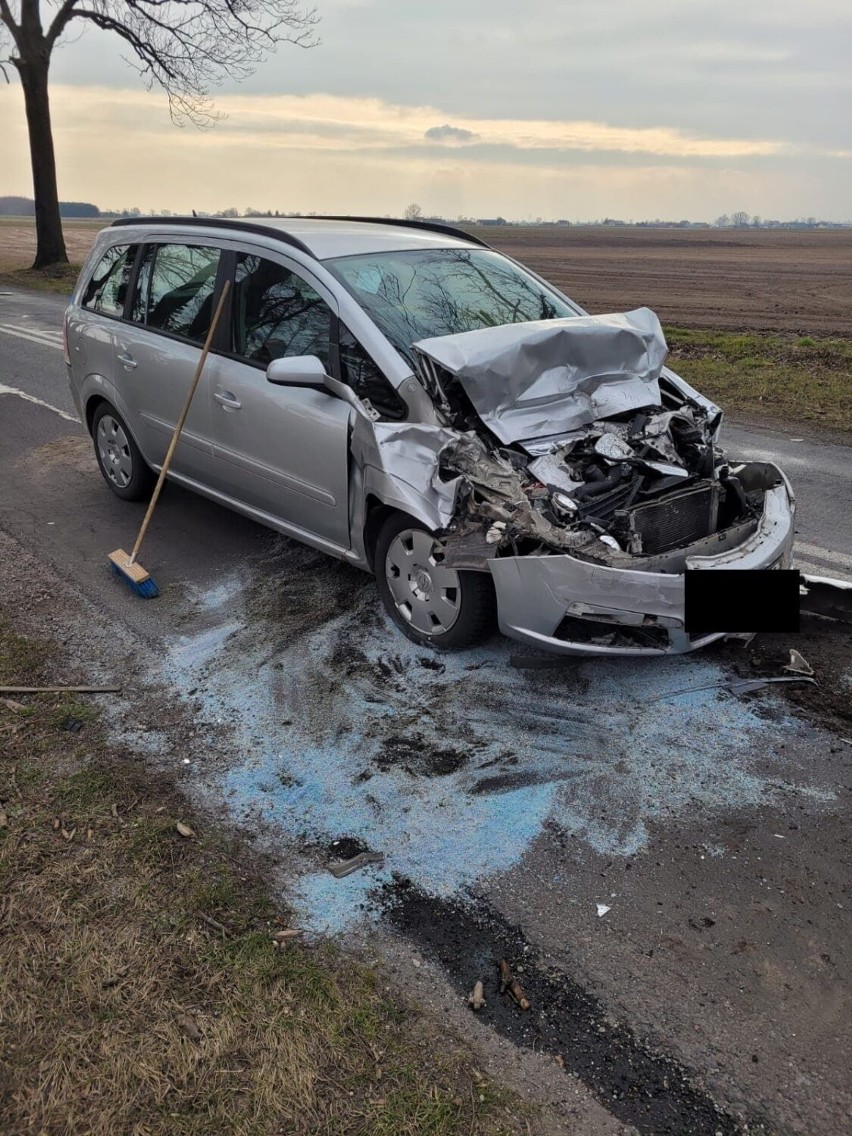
32,335
39,402
809,551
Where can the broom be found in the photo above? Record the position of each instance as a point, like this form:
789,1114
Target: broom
124,566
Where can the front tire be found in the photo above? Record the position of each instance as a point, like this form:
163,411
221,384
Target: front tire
119,458
434,605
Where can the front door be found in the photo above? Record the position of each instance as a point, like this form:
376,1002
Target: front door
282,450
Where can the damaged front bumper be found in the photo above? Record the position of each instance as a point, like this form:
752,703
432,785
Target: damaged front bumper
573,606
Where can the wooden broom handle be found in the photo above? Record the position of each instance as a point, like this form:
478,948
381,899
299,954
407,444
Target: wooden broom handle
176,435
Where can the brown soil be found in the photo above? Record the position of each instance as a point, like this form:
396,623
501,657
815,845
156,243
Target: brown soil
779,280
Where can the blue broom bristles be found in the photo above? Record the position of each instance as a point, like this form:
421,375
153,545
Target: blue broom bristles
147,589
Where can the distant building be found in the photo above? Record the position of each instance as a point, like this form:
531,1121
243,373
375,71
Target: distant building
486,221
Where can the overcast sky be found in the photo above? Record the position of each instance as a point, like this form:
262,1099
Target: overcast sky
551,108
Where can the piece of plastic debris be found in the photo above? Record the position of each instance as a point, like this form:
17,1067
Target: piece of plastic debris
735,686
186,761
510,984
798,664
602,909
72,725
744,637
184,829
496,533
477,996
281,938
347,867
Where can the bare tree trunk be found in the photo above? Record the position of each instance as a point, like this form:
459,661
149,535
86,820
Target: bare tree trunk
50,243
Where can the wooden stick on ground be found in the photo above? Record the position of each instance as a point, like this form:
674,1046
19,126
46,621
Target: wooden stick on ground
59,689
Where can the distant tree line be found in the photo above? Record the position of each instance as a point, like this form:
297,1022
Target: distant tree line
25,207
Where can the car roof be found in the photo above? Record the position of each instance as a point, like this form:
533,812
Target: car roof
326,237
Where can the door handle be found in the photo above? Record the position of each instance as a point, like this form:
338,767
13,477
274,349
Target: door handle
127,361
225,398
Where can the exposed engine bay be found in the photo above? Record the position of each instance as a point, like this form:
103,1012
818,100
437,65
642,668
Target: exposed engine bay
632,485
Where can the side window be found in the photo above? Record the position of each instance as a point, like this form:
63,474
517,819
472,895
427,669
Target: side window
107,288
174,290
359,371
276,313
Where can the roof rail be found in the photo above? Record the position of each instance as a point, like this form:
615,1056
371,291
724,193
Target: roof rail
221,222
429,226
246,225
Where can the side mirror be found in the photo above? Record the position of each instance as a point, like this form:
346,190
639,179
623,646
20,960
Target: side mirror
297,371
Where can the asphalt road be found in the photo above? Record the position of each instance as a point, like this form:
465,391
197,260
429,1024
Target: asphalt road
668,874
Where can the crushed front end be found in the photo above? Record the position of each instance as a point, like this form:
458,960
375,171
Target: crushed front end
588,530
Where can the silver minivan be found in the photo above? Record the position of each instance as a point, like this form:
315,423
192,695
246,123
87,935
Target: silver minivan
402,396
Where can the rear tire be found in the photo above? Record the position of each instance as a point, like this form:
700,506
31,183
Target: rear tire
433,605
119,458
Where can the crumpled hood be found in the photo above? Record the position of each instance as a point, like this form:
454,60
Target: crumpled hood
537,379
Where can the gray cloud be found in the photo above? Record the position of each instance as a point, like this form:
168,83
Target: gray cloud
447,133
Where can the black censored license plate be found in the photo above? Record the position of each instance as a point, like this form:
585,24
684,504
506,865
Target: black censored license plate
731,600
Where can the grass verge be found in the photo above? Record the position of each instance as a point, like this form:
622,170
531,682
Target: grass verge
141,990
59,279
787,378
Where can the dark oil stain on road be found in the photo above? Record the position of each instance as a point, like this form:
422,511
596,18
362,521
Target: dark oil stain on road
646,1089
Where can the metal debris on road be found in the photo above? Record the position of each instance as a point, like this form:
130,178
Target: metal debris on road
510,984
347,867
736,686
477,996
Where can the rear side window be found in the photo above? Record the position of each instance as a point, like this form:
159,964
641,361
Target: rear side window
174,290
106,291
276,313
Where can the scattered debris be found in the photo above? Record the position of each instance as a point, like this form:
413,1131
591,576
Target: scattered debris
735,686
281,938
72,725
347,867
744,637
798,664
60,689
477,996
214,923
184,829
602,910
509,983
11,704
69,835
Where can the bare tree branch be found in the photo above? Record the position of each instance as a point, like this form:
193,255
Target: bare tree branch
188,47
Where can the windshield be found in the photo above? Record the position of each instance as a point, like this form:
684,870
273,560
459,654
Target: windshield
427,292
